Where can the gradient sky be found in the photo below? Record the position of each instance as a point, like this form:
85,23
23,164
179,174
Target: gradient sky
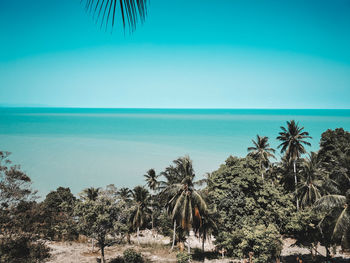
188,53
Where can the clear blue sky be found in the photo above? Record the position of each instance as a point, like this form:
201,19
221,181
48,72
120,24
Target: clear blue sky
188,53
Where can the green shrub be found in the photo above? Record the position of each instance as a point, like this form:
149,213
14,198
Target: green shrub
183,257
263,242
131,256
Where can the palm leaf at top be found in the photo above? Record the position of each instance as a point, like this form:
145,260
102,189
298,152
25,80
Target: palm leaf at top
105,11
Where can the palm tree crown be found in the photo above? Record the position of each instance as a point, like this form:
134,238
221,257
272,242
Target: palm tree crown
125,194
185,204
293,139
337,207
140,197
151,179
262,151
309,188
91,193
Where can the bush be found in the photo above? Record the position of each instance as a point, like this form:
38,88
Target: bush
117,260
22,250
264,243
131,256
183,258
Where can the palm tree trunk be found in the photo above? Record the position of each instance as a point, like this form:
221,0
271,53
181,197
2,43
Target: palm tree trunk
174,232
188,244
296,183
101,243
128,238
93,244
203,240
138,233
152,221
262,172
153,235
328,253
103,254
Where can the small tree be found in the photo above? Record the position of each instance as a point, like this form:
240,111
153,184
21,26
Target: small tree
58,208
97,219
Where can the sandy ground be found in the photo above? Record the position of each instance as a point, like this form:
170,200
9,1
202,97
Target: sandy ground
155,249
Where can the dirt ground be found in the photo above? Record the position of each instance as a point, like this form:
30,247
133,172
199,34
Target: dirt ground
157,249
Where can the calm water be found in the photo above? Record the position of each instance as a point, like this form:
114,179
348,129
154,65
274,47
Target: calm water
95,147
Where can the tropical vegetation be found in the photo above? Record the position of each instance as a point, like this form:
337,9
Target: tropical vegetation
248,205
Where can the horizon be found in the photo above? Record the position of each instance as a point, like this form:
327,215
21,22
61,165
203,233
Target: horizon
155,108
70,146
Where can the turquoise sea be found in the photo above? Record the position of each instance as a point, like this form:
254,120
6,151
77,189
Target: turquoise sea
95,147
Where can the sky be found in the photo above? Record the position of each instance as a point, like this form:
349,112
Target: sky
187,54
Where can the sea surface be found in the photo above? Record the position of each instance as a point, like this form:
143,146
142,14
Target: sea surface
79,148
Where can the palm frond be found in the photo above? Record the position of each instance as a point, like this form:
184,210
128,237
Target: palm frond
342,223
104,12
330,201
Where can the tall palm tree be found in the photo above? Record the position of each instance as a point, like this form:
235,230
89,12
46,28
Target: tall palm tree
293,140
310,186
152,182
104,11
185,204
91,193
262,151
151,179
140,197
338,207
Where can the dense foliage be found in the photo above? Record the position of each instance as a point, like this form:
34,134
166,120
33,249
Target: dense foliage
58,208
20,216
248,204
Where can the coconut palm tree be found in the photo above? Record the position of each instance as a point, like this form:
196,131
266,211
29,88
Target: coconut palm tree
185,204
125,194
337,207
151,179
310,186
140,197
104,11
91,193
153,184
293,140
207,227
262,152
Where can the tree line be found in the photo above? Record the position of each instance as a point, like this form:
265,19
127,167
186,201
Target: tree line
248,204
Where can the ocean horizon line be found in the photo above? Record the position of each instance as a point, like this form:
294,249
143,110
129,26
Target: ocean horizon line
161,108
